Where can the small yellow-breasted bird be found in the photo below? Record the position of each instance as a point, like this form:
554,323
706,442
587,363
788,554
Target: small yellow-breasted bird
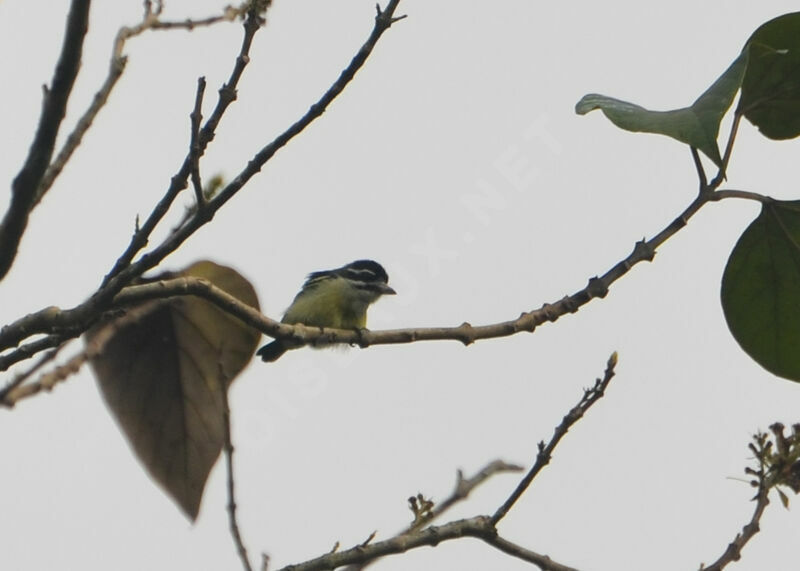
336,298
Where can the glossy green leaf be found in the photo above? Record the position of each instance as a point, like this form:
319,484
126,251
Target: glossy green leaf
771,87
761,289
162,368
697,125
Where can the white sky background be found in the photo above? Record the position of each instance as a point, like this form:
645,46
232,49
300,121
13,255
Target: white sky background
331,443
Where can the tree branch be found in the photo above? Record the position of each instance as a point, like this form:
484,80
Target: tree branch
478,527
590,396
463,488
228,447
733,551
196,117
113,281
762,449
77,319
124,271
26,183
73,322
24,376
117,65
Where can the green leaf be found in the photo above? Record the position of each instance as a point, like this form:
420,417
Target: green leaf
162,367
771,88
761,289
697,125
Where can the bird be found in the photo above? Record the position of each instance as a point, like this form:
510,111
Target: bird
336,298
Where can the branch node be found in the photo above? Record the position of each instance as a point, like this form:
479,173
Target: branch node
643,251
597,288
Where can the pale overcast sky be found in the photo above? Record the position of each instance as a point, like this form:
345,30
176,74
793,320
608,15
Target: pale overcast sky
455,159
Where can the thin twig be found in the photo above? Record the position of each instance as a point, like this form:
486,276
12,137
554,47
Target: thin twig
32,348
75,137
701,172
762,448
590,396
726,157
228,448
115,71
194,146
123,271
25,375
45,382
733,551
463,488
25,184
113,282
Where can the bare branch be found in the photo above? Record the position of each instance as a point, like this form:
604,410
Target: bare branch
116,69
113,282
24,376
15,392
194,146
701,172
228,447
74,139
26,183
478,527
72,322
762,448
30,349
726,157
463,488
542,561
123,271
733,551
590,396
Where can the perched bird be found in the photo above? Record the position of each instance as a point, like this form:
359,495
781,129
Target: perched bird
336,298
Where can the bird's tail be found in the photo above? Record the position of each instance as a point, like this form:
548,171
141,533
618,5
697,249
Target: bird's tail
272,351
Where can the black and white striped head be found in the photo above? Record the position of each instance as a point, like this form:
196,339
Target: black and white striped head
366,275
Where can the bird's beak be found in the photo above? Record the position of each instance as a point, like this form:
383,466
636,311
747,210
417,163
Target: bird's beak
386,290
